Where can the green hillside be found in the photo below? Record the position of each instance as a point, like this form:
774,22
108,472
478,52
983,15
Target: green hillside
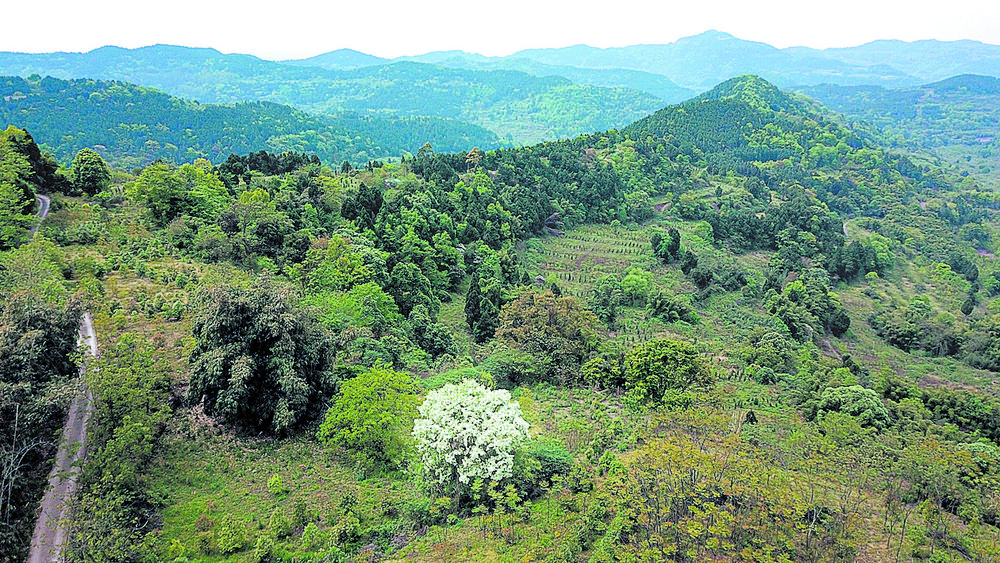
954,119
651,83
132,126
518,107
737,329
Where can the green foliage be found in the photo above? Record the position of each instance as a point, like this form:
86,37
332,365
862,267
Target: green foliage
275,485
724,504
768,191
668,248
556,329
115,508
371,415
189,190
768,349
857,401
671,308
808,308
257,361
660,366
37,353
602,372
89,173
606,300
916,327
126,121
636,285
510,367
17,188
552,457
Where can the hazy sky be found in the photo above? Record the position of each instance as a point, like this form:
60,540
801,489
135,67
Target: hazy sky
297,29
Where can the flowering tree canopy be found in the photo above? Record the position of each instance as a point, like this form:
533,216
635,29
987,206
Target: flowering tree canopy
466,432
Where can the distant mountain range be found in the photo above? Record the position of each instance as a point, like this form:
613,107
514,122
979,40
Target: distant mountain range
701,61
519,107
530,96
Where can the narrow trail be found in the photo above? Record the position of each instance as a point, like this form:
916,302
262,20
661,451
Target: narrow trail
43,210
51,528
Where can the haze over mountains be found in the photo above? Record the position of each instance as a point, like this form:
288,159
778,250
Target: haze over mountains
530,96
682,68
701,61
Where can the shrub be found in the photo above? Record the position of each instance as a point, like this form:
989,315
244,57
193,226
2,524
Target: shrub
856,401
661,365
231,534
371,414
275,485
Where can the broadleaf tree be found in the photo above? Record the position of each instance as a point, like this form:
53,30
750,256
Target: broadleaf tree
467,432
370,414
258,362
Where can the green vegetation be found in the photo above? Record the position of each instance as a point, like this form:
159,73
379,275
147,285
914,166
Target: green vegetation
369,414
736,329
517,107
132,126
949,119
257,361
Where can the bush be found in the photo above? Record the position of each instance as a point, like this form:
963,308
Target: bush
857,401
553,459
371,415
663,365
276,486
279,525
231,535
557,330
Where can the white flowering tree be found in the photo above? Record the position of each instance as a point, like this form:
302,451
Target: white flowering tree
467,432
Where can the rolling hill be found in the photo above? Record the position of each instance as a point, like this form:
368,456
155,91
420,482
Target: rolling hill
133,125
955,119
518,107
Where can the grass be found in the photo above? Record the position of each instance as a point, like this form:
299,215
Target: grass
214,485
218,476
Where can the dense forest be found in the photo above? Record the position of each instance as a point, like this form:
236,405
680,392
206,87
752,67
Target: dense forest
738,329
516,106
954,119
132,126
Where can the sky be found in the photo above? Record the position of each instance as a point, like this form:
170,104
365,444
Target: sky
293,29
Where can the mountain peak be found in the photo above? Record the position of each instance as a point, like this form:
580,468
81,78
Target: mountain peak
714,34
751,90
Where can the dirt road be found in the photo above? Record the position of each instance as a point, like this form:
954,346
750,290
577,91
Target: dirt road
50,530
43,210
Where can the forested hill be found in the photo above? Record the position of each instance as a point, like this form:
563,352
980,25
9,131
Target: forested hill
519,107
133,125
955,119
649,82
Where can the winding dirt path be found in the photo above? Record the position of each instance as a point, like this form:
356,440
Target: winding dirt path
43,210
51,528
